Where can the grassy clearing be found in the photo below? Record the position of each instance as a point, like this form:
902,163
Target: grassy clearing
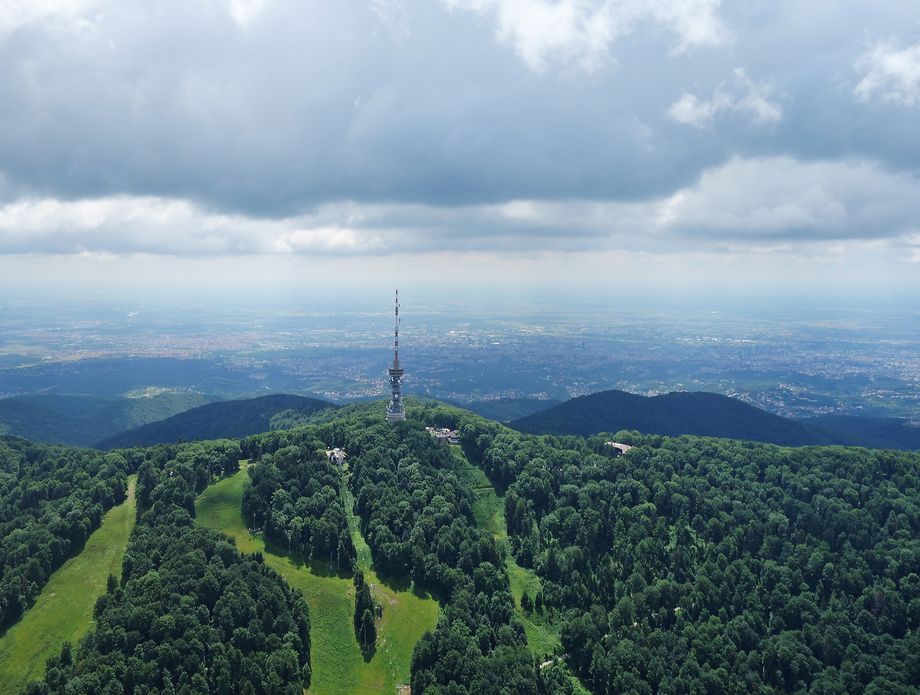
489,514
407,614
488,507
64,608
339,667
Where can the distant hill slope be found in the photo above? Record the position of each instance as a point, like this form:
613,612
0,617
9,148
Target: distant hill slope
508,409
875,432
714,415
231,419
84,420
673,414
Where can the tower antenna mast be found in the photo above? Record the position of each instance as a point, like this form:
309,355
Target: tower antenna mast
395,410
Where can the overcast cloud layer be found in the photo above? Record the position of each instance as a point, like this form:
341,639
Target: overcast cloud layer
684,128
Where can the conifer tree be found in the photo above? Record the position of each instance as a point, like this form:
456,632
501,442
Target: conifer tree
365,629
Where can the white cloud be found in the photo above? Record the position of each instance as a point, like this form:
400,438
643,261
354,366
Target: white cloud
889,74
525,210
541,31
245,12
169,226
691,110
582,32
695,22
742,95
763,205
15,14
393,18
327,240
912,248
125,224
797,200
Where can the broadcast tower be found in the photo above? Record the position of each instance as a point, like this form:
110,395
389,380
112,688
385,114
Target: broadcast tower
395,409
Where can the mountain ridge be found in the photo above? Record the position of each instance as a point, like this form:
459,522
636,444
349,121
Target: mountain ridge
714,415
508,409
82,420
232,419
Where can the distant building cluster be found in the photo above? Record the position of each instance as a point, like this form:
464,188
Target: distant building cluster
622,448
336,456
444,434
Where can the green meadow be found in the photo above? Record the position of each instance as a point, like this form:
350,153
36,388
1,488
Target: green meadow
339,668
489,513
64,608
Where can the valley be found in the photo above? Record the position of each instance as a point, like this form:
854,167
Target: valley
803,363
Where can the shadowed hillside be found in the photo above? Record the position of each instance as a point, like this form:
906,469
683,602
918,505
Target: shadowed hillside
875,432
508,409
225,419
672,414
84,420
714,415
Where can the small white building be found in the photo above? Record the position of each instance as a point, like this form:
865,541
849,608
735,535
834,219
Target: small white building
622,448
444,434
336,456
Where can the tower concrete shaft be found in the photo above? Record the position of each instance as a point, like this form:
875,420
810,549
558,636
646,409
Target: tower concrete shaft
395,410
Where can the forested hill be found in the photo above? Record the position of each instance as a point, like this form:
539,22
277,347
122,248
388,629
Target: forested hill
224,419
672,414
509,409
685,565
876,432
84,420
51,499
190,613
701,565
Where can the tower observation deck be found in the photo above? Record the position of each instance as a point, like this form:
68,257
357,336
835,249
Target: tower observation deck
395,409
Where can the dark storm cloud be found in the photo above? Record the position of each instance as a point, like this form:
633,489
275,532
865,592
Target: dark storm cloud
295,111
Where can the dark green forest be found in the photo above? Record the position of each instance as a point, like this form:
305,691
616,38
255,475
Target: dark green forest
51,499
86,420
417,519
702,565
713,415
294,498
191,614
686,565
672,414
509,409
223,419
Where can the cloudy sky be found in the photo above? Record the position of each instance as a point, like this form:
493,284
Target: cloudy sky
691,147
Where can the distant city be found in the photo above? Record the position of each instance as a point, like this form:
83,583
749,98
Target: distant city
795,367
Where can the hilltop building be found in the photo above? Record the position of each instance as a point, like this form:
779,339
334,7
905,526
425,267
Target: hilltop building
445,435
395,410
617,446
336,456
